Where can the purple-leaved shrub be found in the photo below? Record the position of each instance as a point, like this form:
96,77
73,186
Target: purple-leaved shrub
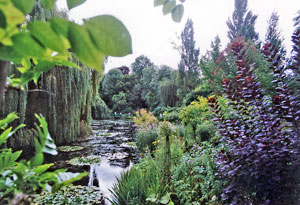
261,155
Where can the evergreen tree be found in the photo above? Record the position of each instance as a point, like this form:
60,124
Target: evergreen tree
210,66
242,22
273,35
215,48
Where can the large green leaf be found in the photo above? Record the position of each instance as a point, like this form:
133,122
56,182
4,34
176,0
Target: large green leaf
83,47
3,22
159,2
45,34
48,4
7,53
13,15
9,118
25,45
109,35
14,157
74,3
42,168
25,6
177,13
37,160
46,142
5,135
60,26
169,6
42,66
37,146
26,77
64,62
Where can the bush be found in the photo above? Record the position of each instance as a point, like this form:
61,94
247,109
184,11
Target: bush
144,119
130,188
194,179
171,115
159,110
149,181
262,149
203,90
147,129
197,121
134,186
145,138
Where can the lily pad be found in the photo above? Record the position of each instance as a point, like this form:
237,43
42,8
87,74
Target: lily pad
81,161
131,144
105,134
71,195
69,148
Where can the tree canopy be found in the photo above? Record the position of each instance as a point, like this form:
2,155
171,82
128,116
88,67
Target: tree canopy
242,22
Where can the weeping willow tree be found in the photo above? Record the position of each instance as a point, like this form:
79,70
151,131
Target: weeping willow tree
63,95
167,93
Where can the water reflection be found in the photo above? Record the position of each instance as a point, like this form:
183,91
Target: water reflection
104,175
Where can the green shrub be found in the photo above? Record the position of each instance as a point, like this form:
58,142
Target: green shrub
203,90
134,186
197,121
149,181
194,179
144,119
145,138
171,115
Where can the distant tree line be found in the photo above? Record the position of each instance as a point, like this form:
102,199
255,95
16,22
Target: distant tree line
146,85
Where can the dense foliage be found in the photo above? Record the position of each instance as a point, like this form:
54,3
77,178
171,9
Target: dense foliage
36,45
224,127
262,139
26,177
245,147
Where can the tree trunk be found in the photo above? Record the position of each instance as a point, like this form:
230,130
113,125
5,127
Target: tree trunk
4,65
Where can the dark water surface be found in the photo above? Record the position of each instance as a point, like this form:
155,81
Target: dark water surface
110,148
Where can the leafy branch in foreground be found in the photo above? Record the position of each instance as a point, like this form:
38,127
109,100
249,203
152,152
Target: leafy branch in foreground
27,177
38,46
170,6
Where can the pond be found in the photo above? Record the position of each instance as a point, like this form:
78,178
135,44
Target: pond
105,154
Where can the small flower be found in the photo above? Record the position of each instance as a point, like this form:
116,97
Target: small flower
189,160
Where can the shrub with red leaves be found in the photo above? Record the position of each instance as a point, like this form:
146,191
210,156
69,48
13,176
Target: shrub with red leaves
261,154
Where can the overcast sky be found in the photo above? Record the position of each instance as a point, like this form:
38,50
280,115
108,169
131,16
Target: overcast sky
152,32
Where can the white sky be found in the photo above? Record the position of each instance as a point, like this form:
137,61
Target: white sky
152,32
